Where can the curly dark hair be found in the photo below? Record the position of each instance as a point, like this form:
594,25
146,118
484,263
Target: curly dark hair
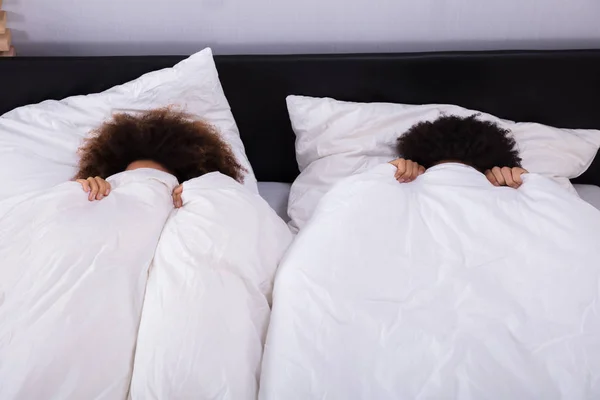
184,147
479,144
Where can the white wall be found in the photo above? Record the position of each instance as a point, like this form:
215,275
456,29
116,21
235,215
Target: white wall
99,27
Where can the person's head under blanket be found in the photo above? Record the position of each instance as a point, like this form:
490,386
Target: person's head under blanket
482,145
162,139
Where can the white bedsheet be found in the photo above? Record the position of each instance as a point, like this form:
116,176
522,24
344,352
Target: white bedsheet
72,281
277,194
207,305
446,287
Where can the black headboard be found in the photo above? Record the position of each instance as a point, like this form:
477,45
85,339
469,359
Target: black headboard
559,88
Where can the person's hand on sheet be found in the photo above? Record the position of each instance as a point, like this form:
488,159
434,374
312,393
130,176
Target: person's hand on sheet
407,170
98,188
511,177
177,192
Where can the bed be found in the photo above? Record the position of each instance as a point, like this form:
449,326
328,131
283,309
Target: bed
522,86
558,88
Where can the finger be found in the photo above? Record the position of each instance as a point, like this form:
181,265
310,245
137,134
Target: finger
507,174
407,171
84,184
498,175
108,188
410,171
176,200
414,171
491,177
399,163
516,175
93,188
101,188
400,168
421,170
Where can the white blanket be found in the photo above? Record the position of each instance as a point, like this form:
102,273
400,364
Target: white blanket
72,281
73,278
208,300
446,287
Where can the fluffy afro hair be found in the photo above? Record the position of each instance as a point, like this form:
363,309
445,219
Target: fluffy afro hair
184,147
480,144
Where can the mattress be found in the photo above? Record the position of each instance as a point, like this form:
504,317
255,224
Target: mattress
589,193
277,193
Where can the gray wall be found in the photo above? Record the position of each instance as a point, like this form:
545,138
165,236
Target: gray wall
100,27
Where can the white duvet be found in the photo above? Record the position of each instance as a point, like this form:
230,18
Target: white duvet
446,287
73,277
208,299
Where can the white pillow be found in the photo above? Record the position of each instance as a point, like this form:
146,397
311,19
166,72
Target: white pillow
38,143
336,139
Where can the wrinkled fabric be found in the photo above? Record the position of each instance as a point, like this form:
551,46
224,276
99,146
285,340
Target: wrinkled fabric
446,287
207,304
72,280
336,139
127,297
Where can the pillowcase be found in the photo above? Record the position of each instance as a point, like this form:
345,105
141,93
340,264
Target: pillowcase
335,139
38,143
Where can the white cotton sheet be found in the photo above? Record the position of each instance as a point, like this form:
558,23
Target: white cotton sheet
72,280
207,304
446,287
589,193
277,195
